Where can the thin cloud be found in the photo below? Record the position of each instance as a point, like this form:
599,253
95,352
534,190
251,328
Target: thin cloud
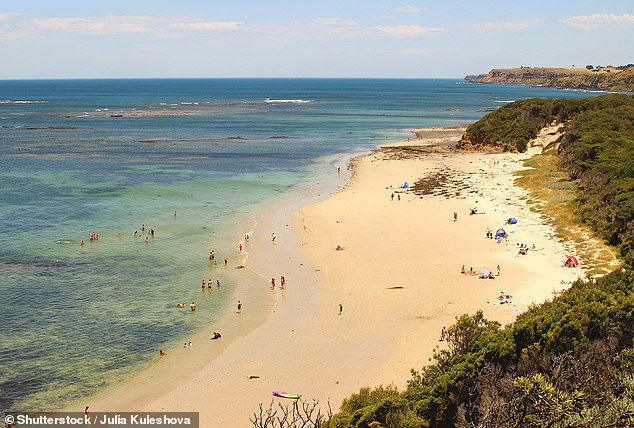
6,17
485,27
409,9
116,24
207,26
13,35
101,25
600,21
404,30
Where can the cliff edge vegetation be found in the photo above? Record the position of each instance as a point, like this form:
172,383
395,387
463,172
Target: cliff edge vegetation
614,79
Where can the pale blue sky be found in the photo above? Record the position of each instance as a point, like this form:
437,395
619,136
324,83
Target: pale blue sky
371,38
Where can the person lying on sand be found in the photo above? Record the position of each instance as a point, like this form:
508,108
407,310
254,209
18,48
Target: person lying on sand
504,298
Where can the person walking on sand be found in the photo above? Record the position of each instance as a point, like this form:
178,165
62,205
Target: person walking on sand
282,283
272,283
392,196
340,309
240,247
273,237
455,216
498,270
239,306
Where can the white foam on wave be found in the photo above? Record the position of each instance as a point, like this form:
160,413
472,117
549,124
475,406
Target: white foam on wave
298,101
504,101
22,101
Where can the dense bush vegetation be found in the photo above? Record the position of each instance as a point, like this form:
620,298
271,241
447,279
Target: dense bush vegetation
598,149
512,126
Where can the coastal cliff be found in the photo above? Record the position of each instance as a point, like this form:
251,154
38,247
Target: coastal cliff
618,79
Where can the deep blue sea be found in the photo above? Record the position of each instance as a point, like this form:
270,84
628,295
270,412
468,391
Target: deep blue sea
116,157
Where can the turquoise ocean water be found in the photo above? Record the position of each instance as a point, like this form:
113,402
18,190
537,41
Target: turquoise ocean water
109,156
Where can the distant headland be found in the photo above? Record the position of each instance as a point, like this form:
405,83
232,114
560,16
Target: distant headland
594,78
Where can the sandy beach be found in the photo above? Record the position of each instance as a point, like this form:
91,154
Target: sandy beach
397,276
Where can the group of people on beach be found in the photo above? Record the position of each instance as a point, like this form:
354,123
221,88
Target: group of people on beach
192,306
144,232
93,237
212,258
282,283
524,249
242,244
504,298
209,283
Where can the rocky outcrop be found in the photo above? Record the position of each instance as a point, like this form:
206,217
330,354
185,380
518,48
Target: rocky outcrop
468,143
604,79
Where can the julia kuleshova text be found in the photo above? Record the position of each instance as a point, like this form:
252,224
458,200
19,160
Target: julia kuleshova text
139,419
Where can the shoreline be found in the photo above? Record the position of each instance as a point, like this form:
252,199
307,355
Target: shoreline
180,365
397,286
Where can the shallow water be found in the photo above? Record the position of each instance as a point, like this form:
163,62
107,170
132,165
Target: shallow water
112,156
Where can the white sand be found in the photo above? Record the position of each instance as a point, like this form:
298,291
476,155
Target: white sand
305,346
